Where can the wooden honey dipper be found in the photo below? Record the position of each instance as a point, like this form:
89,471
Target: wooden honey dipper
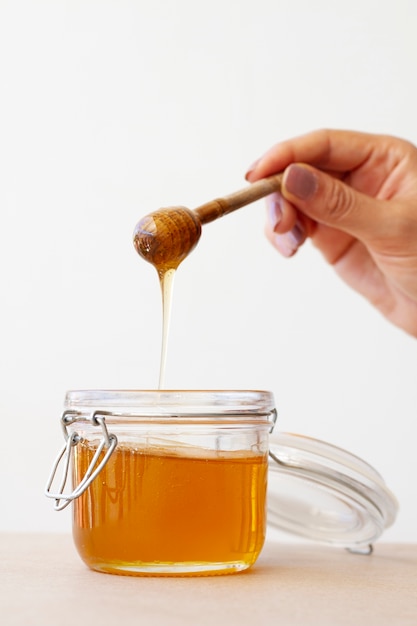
166,237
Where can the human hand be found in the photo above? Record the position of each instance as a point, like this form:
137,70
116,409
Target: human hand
355,196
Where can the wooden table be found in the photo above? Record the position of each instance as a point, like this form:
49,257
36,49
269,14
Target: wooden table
43,582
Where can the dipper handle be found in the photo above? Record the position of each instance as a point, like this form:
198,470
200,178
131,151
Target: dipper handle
222,206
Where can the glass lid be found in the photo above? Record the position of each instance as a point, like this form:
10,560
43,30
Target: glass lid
324,493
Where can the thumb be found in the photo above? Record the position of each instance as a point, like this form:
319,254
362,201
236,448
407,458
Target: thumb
329,201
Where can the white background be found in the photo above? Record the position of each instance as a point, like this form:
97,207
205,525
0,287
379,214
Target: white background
112,109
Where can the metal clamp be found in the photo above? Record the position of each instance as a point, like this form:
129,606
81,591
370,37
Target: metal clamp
108,441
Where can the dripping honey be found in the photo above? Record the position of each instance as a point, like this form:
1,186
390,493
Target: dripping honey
156,511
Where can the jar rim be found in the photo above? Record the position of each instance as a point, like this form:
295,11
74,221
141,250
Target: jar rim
174,402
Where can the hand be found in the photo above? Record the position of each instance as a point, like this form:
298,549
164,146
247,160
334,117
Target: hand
355,196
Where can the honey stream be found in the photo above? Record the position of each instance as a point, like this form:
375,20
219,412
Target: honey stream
166,279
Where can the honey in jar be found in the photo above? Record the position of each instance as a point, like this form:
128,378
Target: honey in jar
159,510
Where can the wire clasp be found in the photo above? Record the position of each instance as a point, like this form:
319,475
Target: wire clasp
108,441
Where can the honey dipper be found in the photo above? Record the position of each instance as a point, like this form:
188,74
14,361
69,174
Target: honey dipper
165,237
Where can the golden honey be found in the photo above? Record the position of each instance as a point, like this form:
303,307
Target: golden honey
155,510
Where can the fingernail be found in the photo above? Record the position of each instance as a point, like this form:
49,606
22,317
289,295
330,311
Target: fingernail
301,182
289,242
274,209
251,169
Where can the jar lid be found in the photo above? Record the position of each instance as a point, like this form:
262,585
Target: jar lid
322,492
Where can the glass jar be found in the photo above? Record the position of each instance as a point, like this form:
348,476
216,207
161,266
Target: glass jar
175,482
167,482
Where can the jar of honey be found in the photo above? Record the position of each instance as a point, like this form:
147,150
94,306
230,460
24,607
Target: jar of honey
167,482
174,483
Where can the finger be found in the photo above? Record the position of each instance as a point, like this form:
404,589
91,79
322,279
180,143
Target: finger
289,242
281,214
286,228
329,201
336,150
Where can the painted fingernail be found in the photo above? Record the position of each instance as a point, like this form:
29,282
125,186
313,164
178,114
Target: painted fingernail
251,169
301,182
273,205
289,242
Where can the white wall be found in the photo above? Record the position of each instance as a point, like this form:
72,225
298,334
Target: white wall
111,109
